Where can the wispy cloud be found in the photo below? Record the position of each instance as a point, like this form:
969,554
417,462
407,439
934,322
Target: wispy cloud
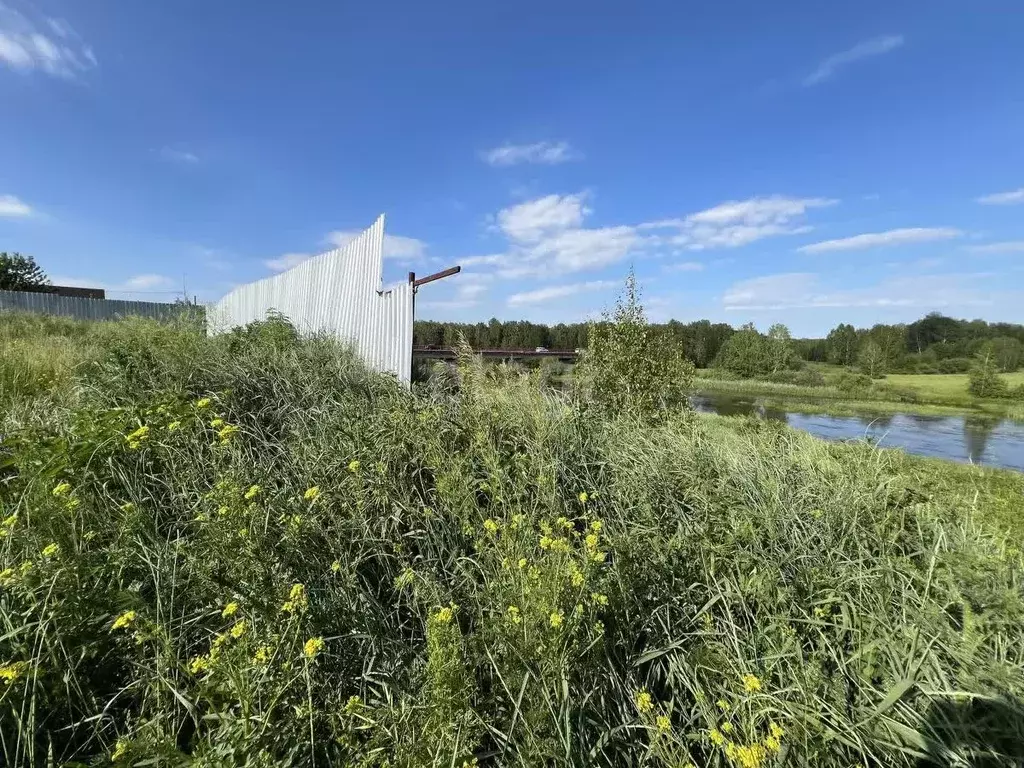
553,292
539,153
878,239
286,262
1003,198
531,221
684,266
802,290
12,207
172,155
1009,246
395,246
740,222
137,284
876,46
48,45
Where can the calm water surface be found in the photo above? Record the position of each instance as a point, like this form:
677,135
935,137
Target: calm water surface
959,438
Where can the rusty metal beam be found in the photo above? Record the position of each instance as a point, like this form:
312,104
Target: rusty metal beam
436,276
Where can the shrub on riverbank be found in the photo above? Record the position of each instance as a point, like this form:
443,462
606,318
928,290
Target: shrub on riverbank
265,555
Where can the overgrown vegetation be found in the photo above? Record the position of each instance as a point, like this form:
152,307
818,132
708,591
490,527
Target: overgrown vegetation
248,550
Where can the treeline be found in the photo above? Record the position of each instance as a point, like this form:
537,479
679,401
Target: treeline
933,344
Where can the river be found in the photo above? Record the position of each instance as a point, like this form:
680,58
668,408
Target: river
994,442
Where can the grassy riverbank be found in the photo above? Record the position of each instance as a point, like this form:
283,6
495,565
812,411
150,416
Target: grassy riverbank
249,550
925,394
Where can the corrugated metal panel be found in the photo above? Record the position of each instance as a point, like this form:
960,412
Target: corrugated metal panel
338,292
85,309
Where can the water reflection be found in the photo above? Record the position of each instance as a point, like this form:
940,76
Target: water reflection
972,438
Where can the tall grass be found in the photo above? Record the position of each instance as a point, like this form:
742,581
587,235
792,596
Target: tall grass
251,551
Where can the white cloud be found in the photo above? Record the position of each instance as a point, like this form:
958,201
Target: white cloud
542,153
24,48
395,246
286,262
685,266
178,156
147,283
803,290
877,239
531,221
12,207
472,261
1003,198
142,284
470,290
740,222
1010,246
577,249
866,49
550,293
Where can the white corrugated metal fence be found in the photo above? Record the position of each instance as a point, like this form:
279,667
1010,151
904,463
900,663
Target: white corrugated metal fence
338,292
87,309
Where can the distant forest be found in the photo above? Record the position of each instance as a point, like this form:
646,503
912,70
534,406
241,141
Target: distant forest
933,344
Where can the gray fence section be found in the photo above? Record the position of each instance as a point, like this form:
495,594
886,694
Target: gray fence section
340,293
87,309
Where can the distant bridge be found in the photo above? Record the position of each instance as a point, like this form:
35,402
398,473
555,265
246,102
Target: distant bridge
445,353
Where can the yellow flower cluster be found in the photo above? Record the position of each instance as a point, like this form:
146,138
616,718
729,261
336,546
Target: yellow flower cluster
297,599
490,526
664,723
312,647
61,489
173,426
51,550
12,671
513,614
120,750
262,655
8,525
203,402
336,566
746,755
226,433
217,423
138,437
124,621
229,610
239,629
353,466
751,683
444,615
644,702
253,492
312,494
556,619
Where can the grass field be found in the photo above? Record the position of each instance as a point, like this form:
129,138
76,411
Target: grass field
926,394
250,551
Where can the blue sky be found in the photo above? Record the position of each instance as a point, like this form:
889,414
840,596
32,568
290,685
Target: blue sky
801,162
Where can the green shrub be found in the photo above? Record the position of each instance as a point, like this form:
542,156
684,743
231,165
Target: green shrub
805,377
984,379
852,382
954,365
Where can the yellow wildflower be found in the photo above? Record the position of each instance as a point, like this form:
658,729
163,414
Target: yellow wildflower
62,489
773,744
239,629
336,566
490,526
577,578
203,402
545,528
124,621
312,647
51,550
596,526
72,504
556,619
8,524
11,672
599,598
545,542
599,627
776,730
583,497
262,655
296,599
599,557
443,615
591,541
727,727
722,704
751,756
253,492
751,683
227,432
217,423
229,610
7,577
405,578
716,737
522,562
128,507
664,723
644,702
312,494
173,426
199,664
120,750
353,466
140,434
513,614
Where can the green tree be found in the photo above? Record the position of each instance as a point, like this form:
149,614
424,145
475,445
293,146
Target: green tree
20,273
871,358
629,366
842,345
744,353
779,348
984,380
1006,352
